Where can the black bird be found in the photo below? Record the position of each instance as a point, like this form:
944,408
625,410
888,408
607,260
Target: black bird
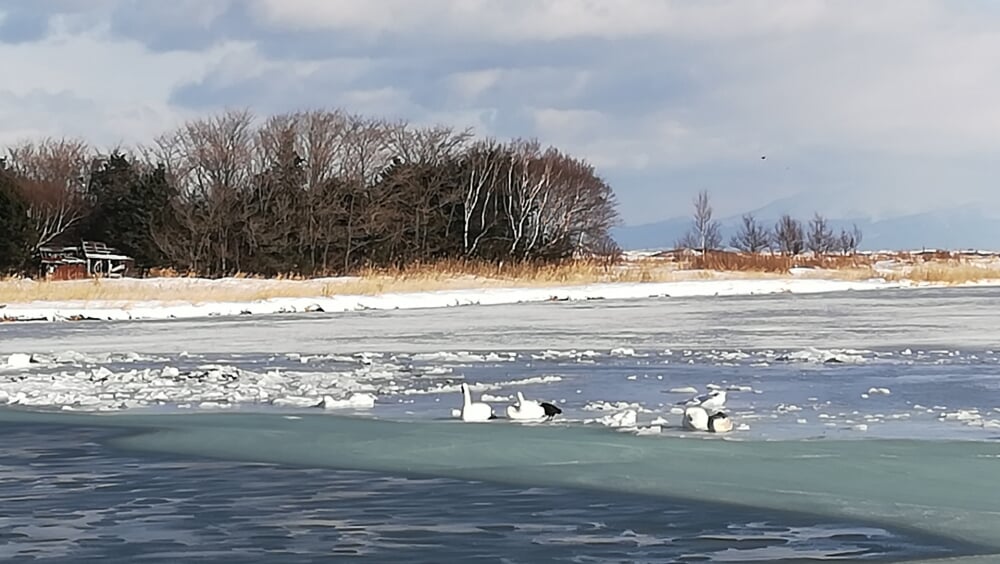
551,410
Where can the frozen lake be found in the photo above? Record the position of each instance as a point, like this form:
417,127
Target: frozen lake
900,318
878,410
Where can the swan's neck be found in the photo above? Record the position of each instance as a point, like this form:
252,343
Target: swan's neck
467,395
520,398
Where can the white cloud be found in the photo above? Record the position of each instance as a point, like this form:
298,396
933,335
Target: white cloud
610,19
869,98
83,84
896,75
470,85
386,101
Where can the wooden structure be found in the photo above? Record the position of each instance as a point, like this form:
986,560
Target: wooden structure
89,259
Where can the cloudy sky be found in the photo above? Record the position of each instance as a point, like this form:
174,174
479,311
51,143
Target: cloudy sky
862,108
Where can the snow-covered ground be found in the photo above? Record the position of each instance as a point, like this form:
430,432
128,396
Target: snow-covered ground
153,309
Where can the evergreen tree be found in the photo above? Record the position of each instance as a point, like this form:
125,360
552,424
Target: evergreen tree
128,204
16,232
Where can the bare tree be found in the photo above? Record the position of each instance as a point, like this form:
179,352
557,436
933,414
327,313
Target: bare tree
430,189
849,241
788,235
270,209
482,169
426,145
525,186
577,211
52,176
607,251
704,234
820,239
321,190
368,155
211,161
322,145
687,241
752,237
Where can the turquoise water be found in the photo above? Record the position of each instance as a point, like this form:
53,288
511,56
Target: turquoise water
262,488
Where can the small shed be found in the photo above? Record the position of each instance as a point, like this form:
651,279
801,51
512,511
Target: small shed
102,260
61,263
90,258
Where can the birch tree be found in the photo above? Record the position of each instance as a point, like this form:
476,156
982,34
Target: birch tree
52,177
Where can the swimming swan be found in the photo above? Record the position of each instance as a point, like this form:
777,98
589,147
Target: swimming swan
532,410
474,410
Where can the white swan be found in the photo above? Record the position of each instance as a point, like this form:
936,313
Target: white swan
532,410
474,410
696,418
719,423
712,401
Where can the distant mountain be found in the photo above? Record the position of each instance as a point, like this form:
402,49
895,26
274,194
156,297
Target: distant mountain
966,227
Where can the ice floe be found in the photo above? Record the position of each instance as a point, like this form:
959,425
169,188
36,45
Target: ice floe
361,400
621,419
821,356
795,401
17,361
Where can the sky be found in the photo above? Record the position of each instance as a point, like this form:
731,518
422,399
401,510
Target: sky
854,108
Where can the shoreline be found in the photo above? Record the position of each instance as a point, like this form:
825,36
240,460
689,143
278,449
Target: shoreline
121,310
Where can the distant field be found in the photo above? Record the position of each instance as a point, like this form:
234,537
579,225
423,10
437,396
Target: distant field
457,276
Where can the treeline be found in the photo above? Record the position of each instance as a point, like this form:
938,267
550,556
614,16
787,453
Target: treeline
313,193
788,236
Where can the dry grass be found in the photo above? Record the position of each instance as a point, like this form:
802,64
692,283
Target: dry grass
947,272
742,262
417,278
169,287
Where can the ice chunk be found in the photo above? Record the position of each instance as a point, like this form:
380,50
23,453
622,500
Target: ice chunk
821,356
17,361
295,401
627,418
354,401
963,415
493,398
615,406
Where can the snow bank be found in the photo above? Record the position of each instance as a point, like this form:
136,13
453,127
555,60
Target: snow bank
98,310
